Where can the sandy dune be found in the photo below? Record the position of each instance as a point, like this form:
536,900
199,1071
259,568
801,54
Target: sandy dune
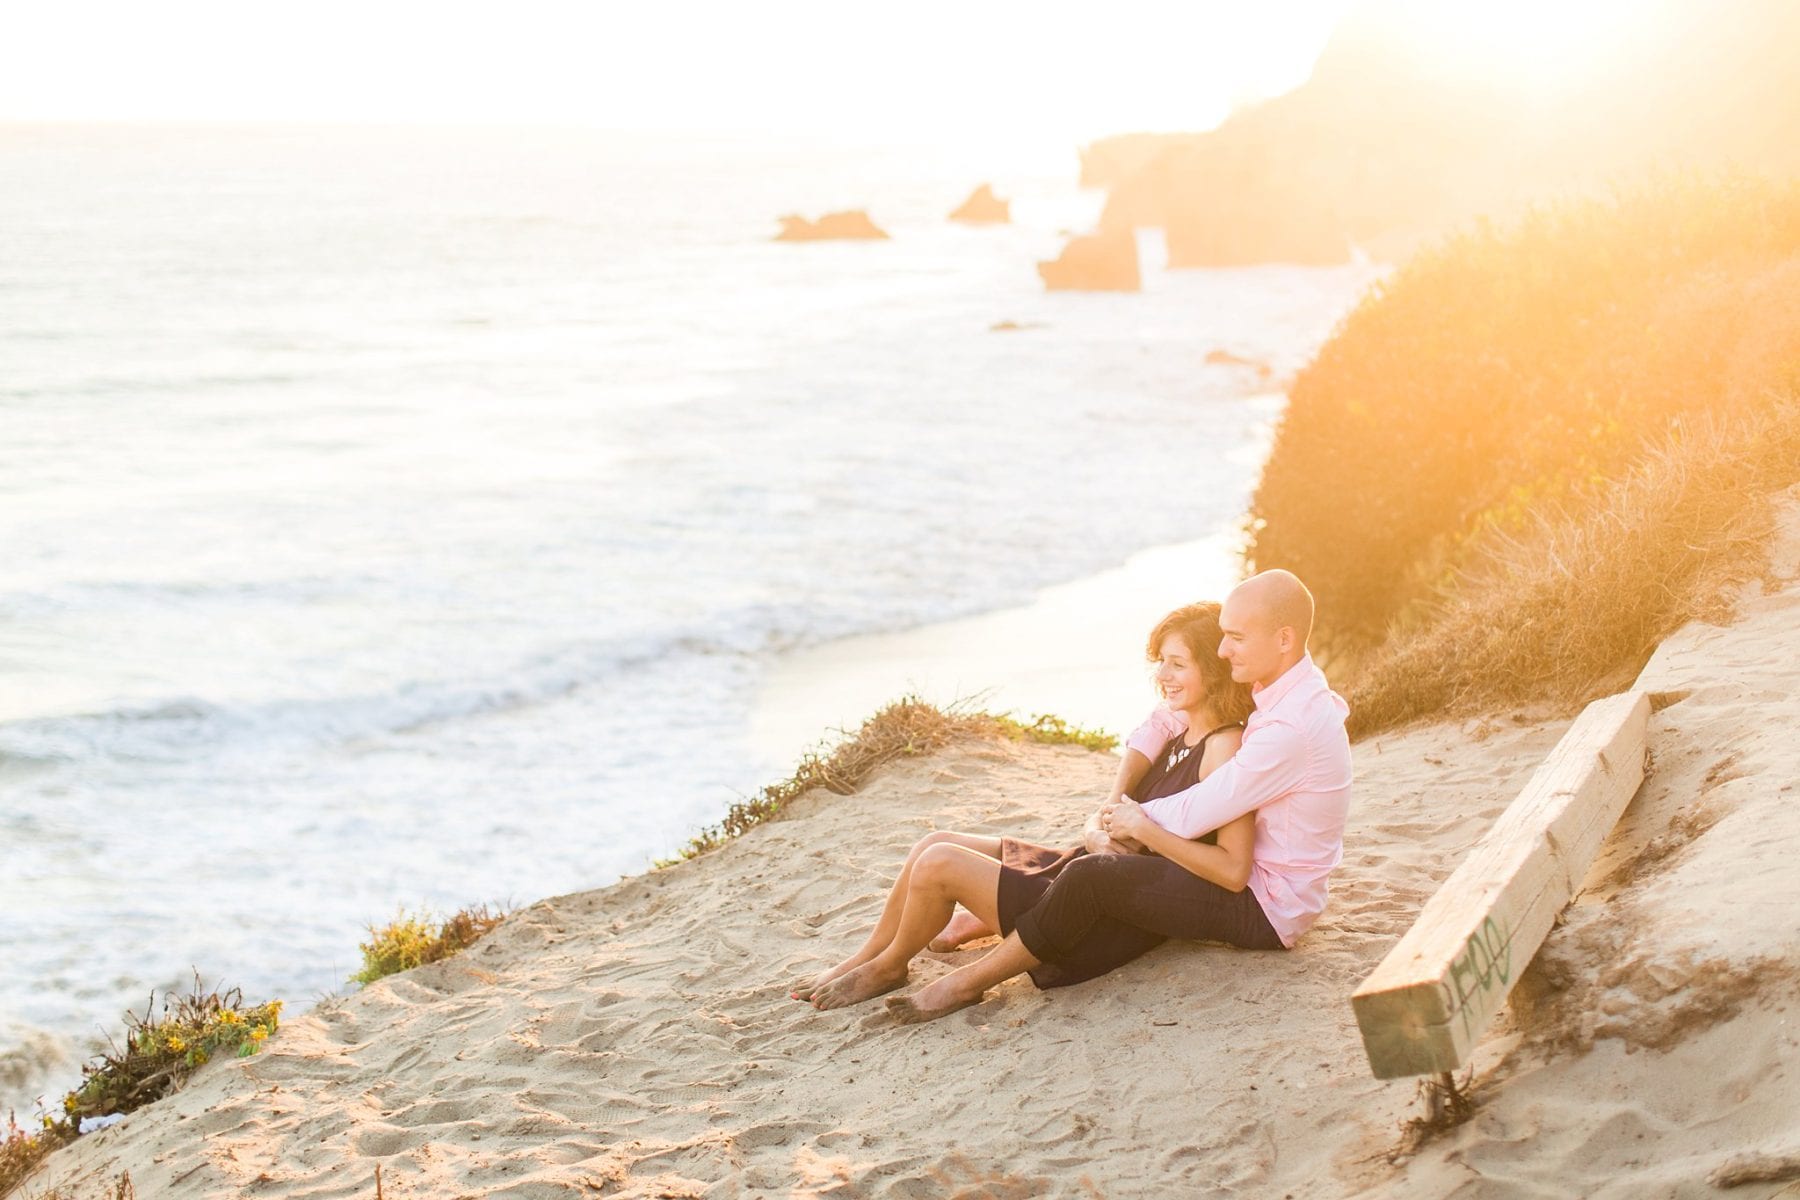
638,1040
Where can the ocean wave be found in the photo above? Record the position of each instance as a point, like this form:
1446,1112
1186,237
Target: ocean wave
180,384
28,1057
136,595
185,728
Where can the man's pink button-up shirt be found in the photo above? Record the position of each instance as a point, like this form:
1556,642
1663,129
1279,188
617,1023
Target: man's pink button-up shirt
1293,771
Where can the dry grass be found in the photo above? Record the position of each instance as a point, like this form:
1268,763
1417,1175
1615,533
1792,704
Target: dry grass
21,1151
1505,371
1562,611
1448,1103
906,728
1535,451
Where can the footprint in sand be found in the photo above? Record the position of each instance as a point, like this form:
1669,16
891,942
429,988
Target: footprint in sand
601,1036
404,1060
564,1153
776,1133
438,1112
385,1141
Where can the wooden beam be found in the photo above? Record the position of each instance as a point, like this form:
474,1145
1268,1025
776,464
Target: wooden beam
1424,1007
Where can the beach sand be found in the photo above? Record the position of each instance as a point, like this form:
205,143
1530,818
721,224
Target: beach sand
639,1040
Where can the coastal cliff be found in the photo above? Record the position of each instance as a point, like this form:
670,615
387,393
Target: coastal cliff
1386,146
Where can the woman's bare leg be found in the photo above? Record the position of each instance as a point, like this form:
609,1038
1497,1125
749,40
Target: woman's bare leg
941,877
963,928
964,986
889,922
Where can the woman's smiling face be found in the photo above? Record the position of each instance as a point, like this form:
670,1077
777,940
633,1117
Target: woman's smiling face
1178,674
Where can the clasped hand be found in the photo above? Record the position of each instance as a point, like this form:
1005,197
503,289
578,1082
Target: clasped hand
1118,821
1124,818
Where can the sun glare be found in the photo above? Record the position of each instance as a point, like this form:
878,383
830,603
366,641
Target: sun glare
929,68
1539,46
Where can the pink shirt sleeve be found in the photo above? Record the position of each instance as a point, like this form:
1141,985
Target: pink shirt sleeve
1162,725
1270,764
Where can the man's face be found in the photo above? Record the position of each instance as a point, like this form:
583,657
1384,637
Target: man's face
1252,643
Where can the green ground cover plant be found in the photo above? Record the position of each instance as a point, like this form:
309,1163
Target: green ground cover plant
905,728
160,1051
412,940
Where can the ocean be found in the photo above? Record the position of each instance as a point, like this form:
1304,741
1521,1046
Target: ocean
410,517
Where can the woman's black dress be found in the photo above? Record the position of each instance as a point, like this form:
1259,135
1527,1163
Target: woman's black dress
1027,871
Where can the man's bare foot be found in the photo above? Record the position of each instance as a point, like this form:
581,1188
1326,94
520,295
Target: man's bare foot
853,987
934,1000
963,928
810,988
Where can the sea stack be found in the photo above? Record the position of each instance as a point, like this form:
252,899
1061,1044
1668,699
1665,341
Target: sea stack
1225,358
1102,262
983,208
854,224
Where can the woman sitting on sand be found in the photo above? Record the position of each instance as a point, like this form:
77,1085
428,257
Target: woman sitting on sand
1200,884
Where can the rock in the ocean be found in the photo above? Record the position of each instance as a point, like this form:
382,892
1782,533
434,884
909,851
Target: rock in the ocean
852,224
983,208
1225,358
1114,160
1103,262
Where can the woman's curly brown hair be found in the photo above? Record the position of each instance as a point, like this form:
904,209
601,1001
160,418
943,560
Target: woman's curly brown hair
1197,625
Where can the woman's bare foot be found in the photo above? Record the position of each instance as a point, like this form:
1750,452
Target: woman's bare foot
853,987
963,928
810,988
937,999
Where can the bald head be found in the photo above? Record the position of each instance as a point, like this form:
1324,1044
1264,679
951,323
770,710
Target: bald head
1279,598
1266,622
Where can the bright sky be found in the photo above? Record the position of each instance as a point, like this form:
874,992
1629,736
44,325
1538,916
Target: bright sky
1042,69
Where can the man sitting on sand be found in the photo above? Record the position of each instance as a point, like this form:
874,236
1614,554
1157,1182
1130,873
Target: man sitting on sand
1292,771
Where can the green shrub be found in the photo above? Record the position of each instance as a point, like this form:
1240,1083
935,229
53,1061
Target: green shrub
413,940
905,728
161,1052
1051,730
